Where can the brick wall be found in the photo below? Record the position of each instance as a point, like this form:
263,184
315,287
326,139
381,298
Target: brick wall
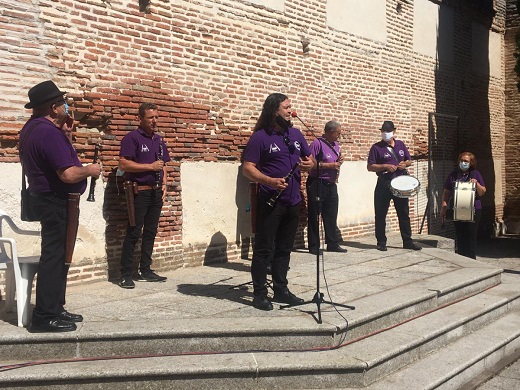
512,128
209,66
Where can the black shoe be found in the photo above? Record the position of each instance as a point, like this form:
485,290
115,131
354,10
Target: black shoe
286,297
66,316
127,282
138,278
381,247
336,248
261,302
56,325
151,276
314,251
411,245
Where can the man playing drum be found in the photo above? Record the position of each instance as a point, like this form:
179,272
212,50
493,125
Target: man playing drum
389,158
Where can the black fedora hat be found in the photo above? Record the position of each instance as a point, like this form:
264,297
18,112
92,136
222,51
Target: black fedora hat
43,93
387,126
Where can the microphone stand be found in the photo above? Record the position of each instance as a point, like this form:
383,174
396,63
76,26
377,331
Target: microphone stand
318,296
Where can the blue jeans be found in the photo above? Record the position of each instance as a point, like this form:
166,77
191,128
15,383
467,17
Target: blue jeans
148,205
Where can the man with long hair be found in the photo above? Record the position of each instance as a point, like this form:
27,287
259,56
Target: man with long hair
274,156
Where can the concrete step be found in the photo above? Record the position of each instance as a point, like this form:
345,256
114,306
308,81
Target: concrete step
298,331
458,363
362,361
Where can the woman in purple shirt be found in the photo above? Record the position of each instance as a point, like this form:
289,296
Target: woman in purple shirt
465,232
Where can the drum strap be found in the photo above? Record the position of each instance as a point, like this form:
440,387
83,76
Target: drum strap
391,150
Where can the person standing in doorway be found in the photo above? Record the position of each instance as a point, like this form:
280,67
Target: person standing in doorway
465,231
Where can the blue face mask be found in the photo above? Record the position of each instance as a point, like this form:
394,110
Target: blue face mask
464,166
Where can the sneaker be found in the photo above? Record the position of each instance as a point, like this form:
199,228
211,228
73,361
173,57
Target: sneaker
382,247
126,282
138,278
261,302
287,297
151,276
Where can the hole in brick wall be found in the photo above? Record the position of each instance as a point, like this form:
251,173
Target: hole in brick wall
144,6
305,45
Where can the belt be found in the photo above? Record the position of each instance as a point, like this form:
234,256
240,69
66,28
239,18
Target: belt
324,181
147,188
62,196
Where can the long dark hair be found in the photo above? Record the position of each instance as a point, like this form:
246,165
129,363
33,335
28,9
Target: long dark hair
266,119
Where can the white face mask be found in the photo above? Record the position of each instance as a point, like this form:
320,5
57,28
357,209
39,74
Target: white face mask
387,137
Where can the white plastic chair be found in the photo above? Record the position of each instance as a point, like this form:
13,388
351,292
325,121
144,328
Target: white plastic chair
20,271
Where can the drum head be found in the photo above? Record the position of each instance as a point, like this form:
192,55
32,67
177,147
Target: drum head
404,183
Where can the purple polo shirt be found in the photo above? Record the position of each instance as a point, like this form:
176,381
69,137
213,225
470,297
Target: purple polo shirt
379,154
329,155
457,175
45,151
144,149
274,156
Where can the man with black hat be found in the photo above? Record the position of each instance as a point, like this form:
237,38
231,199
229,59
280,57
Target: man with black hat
389,158
53,171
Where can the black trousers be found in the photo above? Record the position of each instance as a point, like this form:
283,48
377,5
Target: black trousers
382,198
148,205
466,236
328,208
275,233
51,282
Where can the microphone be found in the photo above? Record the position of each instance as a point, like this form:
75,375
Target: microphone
295,115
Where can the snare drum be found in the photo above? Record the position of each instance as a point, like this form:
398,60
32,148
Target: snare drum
404,186
464,201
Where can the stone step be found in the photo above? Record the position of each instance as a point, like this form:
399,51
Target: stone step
358,362
298,331
457,364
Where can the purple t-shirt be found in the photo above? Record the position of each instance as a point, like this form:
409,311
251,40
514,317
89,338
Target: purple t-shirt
457,175
45,151
274,155
328,156
379,154
144,149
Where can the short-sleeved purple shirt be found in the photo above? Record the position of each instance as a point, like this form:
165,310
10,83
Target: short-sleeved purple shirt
457,175
274,155
329,155
144,149
45,151
379,154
